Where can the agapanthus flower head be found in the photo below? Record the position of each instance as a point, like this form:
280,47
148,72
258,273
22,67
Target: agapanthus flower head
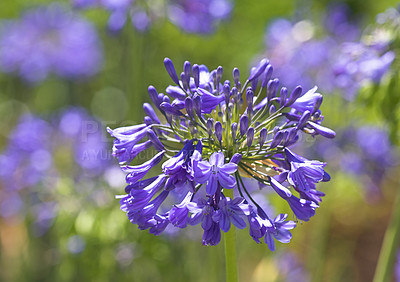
49,39
211,133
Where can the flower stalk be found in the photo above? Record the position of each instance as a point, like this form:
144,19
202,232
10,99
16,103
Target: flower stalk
230,250
387,256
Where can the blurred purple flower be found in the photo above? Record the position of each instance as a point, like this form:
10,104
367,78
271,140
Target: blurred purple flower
192,16
339,61
49,39
364,152
31,167
291,268
198,16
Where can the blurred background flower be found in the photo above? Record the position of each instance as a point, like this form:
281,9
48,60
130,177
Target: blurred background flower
50,40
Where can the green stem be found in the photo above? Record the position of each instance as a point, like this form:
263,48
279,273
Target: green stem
230,249
387,256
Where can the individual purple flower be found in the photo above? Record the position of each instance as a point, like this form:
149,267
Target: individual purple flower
215,172
135,173
304,174
231,211
126,139
202,212
279,230
179,167
179,214
209,101
50,39
307,101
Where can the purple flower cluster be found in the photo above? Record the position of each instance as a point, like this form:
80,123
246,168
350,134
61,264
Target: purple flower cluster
338,61
210,139
198,16
40,153
365,152
192,16
49,39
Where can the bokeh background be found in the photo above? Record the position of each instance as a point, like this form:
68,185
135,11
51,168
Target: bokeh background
69,69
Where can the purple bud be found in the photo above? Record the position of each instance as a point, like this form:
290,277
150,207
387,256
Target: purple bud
196,75
324,131
259,69
220,71
218,131
161,98
236,75
176,92
171,70
154,139
272,109
318,103
197,105
187,67
234,130
153,95
148,120
326,177
236,158
166,99
294,96
199,146
263,136
277,139
283,97
234,93
267,76
184,80
249,98
272,88
254,83
168,108
148,109
303,120
250,136
178,104
226,89
210,126
243,124
213,74
189,107
292,137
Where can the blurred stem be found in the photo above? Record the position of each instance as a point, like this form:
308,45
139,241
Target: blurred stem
230,249
387,256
